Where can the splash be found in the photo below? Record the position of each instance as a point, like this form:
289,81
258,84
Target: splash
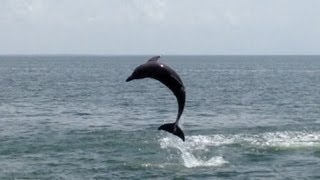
191,161
186,149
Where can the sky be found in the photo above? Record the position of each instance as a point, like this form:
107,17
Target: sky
166,27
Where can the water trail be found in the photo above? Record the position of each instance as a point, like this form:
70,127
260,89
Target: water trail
286,139
280,140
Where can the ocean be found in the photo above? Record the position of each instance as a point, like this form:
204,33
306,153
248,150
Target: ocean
75,117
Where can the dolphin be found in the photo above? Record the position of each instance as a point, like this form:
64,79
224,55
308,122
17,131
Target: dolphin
163,73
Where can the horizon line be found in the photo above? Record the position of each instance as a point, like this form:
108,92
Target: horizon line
98,54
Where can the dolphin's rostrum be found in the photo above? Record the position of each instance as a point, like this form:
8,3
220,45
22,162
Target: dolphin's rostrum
163,73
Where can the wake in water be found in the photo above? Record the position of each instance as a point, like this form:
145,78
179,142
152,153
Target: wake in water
278,140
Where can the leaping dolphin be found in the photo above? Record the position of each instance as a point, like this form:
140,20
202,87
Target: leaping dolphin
163,73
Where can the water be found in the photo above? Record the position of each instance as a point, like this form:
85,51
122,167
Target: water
75,117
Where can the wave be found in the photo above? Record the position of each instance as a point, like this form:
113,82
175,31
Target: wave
195,144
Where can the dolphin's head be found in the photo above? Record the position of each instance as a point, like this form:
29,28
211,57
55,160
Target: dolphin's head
139,73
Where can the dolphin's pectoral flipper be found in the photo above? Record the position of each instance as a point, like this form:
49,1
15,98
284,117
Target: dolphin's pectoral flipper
177,78
172,128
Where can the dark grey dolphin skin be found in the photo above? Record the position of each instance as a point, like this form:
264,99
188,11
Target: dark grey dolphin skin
163,73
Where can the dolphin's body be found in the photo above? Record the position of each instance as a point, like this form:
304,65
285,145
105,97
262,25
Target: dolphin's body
163,73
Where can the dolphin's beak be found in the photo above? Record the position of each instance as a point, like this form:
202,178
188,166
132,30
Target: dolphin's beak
129,79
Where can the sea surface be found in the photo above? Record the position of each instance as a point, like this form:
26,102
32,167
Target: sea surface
75,117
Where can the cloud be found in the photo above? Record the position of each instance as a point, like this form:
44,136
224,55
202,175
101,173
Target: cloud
146,26
20,11
150,11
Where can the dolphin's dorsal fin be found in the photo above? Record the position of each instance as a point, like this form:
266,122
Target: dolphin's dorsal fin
155,58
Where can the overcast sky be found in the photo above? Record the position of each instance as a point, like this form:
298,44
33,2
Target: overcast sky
159,27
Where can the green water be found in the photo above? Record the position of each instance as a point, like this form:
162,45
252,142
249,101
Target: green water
75,117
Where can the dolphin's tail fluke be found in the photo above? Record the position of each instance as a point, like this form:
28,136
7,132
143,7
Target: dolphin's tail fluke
173,128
